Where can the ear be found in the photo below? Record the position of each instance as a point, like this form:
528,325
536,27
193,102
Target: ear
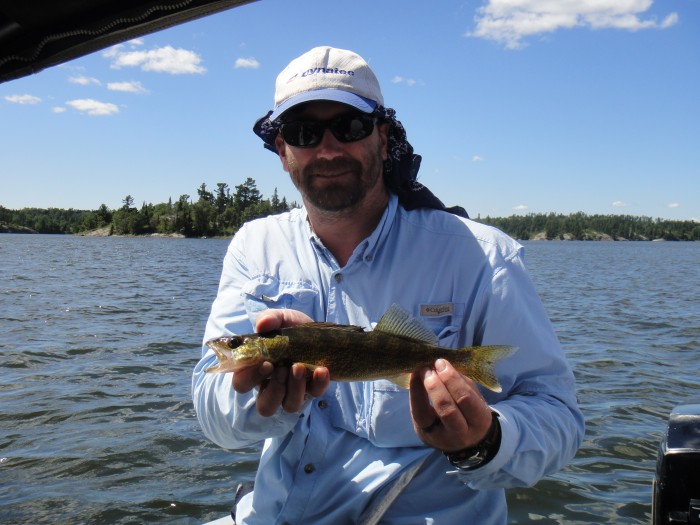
383,130
281,146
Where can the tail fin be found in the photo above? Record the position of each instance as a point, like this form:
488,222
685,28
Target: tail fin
480,364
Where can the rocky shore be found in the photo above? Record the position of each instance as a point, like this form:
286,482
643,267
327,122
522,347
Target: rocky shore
107,232
11,228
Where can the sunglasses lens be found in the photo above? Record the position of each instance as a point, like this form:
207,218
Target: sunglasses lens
302,133
309,133
351,128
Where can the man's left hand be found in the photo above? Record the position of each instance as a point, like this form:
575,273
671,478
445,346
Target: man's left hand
448,411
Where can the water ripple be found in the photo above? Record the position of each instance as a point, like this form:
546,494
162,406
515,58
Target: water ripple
99,336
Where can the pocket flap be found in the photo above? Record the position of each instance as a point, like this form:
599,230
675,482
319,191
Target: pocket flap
268,289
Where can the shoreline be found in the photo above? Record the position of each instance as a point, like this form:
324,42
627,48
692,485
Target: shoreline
540,237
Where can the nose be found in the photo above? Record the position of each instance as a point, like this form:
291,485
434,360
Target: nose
329,147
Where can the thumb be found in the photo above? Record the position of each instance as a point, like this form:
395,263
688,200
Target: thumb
274,319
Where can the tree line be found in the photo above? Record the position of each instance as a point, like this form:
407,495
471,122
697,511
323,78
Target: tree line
214,213
222,211
580,226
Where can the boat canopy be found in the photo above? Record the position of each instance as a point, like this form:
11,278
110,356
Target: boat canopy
36,34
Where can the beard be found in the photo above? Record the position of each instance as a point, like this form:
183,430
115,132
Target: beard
340,184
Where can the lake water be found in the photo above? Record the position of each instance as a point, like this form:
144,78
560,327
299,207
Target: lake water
98,337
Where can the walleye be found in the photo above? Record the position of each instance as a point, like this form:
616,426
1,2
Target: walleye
398,346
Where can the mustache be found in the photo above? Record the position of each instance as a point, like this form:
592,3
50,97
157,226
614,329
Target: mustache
333,165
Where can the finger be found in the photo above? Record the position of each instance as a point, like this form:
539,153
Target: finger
473,415
440,397
449,429
272,392
423,415
319,382
296,389
274,319
246,379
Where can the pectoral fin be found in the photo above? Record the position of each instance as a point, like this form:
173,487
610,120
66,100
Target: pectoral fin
402,380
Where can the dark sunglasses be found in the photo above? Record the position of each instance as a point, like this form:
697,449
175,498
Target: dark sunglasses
350,127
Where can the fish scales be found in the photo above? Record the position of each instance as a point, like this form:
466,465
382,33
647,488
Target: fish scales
398,346
356,355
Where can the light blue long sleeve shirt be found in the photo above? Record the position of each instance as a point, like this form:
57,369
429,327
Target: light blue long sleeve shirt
326,463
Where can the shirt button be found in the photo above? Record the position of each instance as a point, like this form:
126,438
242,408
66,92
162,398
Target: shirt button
323,404
338,277
368,258
309,468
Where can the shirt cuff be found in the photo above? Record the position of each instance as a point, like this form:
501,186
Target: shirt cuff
509,440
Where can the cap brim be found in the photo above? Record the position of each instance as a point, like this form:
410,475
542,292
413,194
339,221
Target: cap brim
334,95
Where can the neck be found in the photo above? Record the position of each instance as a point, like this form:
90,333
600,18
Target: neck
342,231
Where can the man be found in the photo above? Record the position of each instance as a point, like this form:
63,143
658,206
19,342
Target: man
369,236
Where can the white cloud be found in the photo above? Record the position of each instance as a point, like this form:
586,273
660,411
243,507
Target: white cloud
94,108
509,21
58,109
619,204
160,60
119,49
23,99
401,80
670,20
520,207
673,205
247,63
84,81
127,87
114,51
477,158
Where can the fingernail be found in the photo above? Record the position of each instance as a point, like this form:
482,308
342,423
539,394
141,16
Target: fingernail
266,369
427,372
299,372
440,365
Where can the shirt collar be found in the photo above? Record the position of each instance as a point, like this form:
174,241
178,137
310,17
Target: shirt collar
367,248
365,251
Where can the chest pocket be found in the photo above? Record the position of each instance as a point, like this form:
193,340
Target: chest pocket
390,419
447,328
265,292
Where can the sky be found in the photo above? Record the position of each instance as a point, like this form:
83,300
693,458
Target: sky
516,106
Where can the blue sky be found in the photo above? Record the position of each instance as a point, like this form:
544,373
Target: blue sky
517,106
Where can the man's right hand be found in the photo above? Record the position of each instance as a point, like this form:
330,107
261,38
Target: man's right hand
281,386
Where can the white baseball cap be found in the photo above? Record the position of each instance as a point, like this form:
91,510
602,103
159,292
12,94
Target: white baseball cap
327,73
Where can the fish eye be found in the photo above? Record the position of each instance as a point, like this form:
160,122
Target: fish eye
235,341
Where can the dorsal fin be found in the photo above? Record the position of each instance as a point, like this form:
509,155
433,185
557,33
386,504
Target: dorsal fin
397,321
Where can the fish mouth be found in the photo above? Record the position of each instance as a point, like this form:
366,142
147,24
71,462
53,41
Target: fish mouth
216,345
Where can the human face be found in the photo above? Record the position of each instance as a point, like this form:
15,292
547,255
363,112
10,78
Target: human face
335,176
